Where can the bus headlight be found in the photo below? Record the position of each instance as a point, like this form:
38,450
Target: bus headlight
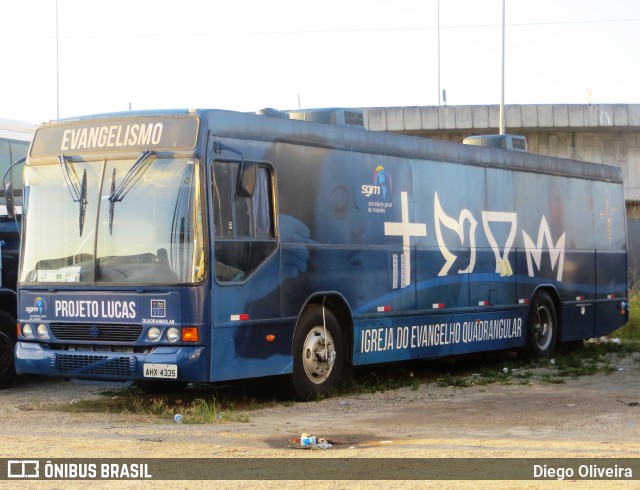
153,334
27,331
42,331
173,334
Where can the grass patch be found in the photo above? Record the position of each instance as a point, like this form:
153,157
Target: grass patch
631,331
383,378
587,360
551,379
206,412
130,401
509,374
593,359
455,381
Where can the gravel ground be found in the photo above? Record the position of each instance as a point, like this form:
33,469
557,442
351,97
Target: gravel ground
589,416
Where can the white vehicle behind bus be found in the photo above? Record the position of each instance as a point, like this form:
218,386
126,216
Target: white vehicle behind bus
15,138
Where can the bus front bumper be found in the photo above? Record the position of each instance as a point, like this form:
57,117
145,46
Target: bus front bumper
186,364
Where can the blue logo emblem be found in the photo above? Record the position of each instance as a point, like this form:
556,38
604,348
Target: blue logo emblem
382,180
40,304
94,331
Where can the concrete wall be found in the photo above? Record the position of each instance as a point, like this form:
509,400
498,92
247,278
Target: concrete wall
602,133
531,117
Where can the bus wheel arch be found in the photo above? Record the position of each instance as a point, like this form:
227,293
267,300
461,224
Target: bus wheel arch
543,323
321,345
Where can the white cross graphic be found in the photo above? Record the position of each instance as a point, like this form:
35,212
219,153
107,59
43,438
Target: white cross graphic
406,230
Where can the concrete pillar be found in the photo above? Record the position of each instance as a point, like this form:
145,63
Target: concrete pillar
513,117
576,116
412,118
464,117
480,117
620,115
395,119
529,116
430,118
545,116
560,116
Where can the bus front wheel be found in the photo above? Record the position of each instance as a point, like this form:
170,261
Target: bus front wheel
318,353
542,329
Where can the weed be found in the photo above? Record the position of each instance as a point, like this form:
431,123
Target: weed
383,379
551,379
631,331
590,359
521,374
455,381
207,412
577,364
198,411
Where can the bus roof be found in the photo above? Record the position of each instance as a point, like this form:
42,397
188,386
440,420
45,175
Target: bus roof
16,130
241,125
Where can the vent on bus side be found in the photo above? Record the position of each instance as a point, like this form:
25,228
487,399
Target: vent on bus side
345,117
271,112
505,141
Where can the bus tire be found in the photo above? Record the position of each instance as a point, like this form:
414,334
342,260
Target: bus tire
318,353
542,331
7,348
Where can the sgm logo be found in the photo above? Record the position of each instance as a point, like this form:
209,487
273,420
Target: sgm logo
381,184
39,306
368,190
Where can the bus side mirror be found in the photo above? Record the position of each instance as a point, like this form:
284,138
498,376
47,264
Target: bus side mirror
8,196
8,189
246,179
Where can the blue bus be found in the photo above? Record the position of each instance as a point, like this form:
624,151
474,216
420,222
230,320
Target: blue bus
172,247
15,137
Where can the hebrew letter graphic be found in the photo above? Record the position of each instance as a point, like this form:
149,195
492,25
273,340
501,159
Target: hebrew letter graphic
458,226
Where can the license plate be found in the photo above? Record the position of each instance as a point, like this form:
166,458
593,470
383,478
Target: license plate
161,371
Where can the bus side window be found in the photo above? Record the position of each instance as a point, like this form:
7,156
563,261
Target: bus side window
10,152
253,214
222,198
5,156
244,226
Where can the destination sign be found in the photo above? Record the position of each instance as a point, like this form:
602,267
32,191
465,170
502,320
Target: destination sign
149,133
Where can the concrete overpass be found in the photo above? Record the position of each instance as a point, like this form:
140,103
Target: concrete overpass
601,133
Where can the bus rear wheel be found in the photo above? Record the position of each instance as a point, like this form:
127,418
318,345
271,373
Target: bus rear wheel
7,345
542,329
318,353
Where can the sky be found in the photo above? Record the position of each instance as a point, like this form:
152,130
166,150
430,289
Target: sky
67,58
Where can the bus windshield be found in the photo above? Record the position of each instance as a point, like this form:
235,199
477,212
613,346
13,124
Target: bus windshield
132,221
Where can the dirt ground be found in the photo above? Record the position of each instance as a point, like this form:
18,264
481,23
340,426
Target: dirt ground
589,416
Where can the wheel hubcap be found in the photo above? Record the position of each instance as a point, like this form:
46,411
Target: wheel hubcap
543,328
318,355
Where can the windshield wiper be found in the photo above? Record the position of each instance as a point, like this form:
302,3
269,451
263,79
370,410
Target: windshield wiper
78,190
129,180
